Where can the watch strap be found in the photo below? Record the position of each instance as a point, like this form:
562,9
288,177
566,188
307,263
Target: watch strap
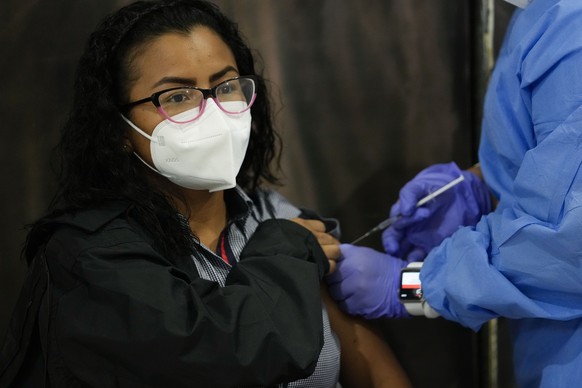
420,307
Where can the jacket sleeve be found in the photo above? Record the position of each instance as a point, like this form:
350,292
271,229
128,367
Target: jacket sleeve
125,314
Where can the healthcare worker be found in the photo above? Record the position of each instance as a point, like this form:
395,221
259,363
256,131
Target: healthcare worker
518,256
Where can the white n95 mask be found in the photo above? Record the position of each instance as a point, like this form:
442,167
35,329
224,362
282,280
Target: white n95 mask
205,154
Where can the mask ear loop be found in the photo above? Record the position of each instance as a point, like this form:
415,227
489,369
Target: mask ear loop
150,138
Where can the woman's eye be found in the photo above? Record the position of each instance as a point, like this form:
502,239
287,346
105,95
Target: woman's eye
178,97
226,89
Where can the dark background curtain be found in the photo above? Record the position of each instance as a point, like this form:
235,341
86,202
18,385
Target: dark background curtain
367,93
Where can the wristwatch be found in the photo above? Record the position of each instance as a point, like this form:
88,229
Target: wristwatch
410,292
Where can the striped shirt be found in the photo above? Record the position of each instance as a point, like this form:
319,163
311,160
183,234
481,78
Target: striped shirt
245,214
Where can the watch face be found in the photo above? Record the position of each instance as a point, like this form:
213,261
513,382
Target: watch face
410,288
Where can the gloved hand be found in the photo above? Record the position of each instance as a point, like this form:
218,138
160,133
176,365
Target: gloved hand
366,283
423,228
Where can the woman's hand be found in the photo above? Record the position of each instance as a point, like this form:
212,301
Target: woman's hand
329,244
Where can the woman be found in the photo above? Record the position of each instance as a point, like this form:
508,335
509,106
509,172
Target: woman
167,264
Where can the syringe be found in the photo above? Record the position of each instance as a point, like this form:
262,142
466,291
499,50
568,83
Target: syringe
389,221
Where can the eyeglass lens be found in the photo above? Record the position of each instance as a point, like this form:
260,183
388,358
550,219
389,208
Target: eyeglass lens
232,96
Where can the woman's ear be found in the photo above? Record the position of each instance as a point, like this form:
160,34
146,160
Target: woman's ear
127,147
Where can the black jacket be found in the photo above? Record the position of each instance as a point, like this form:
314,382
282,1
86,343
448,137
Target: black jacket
122,315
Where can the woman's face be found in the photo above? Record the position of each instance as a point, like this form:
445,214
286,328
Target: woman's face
200,59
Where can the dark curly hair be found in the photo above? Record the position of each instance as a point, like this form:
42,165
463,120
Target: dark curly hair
94,168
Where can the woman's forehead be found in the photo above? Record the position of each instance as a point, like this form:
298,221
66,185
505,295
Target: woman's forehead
196,55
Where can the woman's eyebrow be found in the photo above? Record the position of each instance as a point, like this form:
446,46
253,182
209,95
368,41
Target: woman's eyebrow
175,80
216,76
191,81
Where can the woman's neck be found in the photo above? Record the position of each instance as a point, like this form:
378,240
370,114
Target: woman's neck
206,213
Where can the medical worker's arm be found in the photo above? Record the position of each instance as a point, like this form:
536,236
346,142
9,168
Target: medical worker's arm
366,359
525,259
422,228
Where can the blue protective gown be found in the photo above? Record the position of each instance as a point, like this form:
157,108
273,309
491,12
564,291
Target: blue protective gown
524,260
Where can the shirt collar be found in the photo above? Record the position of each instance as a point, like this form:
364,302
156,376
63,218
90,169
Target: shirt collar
238,203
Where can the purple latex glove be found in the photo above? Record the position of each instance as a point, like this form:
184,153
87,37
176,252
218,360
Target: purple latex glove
365,282
423,228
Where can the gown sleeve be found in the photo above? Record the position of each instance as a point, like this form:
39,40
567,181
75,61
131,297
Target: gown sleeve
525,259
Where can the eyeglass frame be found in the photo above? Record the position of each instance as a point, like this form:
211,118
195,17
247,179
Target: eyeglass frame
206,93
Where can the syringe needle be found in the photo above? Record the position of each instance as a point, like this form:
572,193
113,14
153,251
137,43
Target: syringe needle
381,226
389,221
362,237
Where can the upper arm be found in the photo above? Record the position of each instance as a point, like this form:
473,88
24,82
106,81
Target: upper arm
366,359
